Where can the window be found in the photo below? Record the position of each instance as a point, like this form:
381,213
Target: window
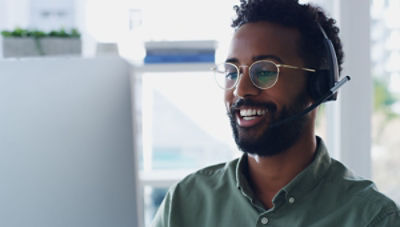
184,126
385,56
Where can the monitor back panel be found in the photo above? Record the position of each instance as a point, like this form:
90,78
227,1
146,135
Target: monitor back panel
66,151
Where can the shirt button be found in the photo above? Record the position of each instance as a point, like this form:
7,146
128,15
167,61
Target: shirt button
264,220
291,200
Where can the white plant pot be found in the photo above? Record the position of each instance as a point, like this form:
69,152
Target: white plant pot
25,47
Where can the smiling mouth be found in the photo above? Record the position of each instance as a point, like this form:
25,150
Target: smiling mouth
247,117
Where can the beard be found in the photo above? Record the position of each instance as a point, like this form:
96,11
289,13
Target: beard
273,140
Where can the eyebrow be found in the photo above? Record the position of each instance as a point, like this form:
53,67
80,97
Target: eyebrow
257,58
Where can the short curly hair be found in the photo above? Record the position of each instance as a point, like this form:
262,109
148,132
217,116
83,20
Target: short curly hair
304,17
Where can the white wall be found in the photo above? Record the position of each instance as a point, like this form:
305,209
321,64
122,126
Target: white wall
66,150
14,13
26,13
50,15
356,98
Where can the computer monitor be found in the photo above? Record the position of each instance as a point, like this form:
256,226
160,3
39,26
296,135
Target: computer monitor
66,150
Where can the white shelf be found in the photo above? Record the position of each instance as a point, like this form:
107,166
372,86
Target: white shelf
174,67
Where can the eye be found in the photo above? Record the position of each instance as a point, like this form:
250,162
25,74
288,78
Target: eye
265,75
231,75
264,78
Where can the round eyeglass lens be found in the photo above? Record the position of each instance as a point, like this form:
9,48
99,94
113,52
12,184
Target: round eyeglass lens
226,75
264,74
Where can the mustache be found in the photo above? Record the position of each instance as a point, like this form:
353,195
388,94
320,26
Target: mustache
271,107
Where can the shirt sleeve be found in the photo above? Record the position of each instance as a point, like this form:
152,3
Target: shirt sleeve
162,217
387,218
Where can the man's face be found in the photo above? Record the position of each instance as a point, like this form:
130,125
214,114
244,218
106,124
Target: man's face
253,134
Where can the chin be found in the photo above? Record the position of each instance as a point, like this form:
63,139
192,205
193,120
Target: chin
263,140
266,141
265,148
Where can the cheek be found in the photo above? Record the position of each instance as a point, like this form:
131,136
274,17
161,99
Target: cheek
291,87
228,99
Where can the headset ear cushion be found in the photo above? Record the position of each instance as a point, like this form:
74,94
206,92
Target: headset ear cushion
318,83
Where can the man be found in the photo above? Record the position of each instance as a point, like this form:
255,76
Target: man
285,176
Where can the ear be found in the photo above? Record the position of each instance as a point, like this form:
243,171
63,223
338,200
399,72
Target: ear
318,83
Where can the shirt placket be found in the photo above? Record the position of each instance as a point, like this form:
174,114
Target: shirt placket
281,201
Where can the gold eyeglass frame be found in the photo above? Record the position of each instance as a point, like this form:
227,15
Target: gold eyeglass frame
278,66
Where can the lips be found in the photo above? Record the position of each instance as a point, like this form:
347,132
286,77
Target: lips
247,117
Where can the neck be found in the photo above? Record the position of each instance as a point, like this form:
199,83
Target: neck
270,174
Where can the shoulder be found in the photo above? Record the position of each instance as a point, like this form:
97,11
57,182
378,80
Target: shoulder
210,177
209,182
195,195
362,196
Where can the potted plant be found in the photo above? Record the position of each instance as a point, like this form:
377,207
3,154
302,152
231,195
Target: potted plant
24,42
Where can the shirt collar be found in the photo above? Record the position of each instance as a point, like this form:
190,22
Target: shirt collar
301,184
243,184
242,175
312,174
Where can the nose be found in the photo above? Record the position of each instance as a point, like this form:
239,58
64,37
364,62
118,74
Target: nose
244,86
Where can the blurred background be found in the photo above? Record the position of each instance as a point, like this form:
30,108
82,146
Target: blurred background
180,120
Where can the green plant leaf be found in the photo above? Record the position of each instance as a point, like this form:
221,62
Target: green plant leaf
6,33
35,33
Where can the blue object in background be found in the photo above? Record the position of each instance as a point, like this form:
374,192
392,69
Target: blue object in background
170,58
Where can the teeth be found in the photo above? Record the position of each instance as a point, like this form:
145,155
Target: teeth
248,118
252,112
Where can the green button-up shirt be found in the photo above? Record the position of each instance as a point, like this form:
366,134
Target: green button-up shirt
324,194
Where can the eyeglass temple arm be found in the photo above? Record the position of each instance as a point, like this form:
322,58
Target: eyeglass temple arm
295,67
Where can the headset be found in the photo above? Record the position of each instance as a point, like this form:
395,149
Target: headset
325,83
324,79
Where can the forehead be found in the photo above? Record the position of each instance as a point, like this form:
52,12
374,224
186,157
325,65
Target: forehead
264,38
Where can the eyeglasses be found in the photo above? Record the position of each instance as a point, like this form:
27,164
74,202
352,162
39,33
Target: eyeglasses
263,73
